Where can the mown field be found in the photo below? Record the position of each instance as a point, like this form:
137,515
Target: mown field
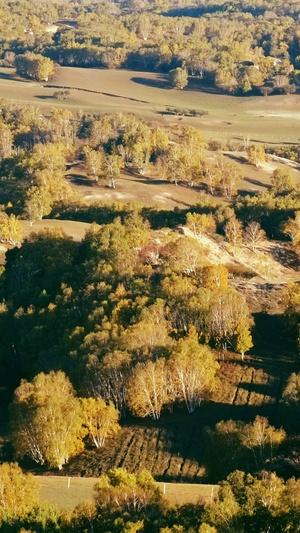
66,492
273,119
176,448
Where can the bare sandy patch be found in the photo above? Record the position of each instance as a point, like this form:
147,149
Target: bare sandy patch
273,262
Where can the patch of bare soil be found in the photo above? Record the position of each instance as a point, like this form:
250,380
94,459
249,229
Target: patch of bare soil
273,262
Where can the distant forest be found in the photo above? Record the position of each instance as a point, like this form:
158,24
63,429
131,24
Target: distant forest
238,46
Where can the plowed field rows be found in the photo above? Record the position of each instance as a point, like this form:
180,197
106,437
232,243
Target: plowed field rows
173,448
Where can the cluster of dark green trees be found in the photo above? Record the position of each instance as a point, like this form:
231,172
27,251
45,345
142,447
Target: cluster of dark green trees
239,46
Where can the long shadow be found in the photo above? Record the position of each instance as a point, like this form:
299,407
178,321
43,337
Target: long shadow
201,85
148,181
274,344
5,76
238,158
14,77
78,179
260,141
44,97
259,388
179,440
246,192
176,201
152,181
160,83
287,258
257,182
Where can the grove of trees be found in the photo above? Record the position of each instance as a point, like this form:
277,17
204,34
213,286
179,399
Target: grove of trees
239,47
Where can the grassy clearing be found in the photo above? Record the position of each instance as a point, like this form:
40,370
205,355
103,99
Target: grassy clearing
273,119
73,229
55,490
149,190
67,492
133,188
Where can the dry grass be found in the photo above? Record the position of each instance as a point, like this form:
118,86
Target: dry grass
274,119
73,229
67,492
147,190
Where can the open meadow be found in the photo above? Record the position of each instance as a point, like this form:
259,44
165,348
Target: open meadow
151,191
273,119
67,492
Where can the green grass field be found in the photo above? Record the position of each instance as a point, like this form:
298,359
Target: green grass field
273,119
67,492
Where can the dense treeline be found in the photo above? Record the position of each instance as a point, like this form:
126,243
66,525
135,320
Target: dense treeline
165,274
256,46
35,153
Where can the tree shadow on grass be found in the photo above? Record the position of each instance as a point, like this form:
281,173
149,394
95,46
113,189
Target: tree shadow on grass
260,141
161,82
172,448
285,257
44,97
246,192
14,77
257,182
201,85
78,179
238,158
5,76
275,346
